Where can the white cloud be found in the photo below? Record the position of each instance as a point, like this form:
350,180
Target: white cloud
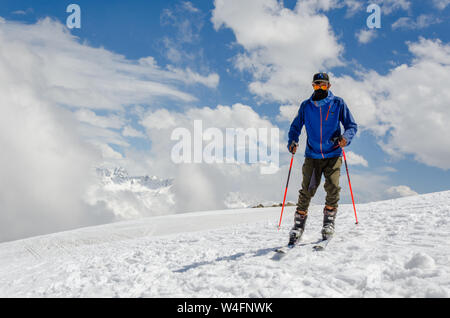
97,135
89,117
398,108
421,22
23,12
365,36
129,131
312,6
19,12
181,44
404,108
210,186
186,19
287,113
353,6
388,169
283,47
389,6
159,119
200,186
49,84
238,115
45,166
441,4
355,159
189,6
79,75
404,22
366,187
108,153
189,77
400,191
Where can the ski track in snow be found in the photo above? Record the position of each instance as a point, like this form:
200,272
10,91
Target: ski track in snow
399,249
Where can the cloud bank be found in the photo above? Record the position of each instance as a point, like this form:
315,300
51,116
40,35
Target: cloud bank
51,86
403,109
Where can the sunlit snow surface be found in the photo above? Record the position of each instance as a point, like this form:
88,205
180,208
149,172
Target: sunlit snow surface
401,248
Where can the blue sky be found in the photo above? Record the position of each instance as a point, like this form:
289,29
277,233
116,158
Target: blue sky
138,29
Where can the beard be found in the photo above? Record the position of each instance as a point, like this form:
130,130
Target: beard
320,94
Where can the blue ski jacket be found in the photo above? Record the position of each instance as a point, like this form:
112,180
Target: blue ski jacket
322,123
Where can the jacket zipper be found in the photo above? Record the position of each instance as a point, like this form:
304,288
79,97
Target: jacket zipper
328,111
320,110
326,120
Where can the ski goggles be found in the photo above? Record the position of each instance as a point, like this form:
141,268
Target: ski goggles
321,85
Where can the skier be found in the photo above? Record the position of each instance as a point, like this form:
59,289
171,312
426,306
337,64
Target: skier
321,115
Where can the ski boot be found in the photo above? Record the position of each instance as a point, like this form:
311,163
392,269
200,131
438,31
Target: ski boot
329,217
299,226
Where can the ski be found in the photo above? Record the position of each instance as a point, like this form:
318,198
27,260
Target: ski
321,245
282,251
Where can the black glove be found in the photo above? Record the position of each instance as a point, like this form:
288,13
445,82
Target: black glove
293,147
336,139
340,140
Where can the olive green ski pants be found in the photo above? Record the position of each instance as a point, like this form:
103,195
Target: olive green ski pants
312,171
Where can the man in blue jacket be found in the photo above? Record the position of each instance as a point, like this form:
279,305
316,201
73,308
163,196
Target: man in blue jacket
321,115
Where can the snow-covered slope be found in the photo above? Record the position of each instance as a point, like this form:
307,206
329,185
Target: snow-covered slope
399,249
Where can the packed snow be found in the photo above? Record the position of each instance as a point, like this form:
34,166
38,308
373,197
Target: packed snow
400,248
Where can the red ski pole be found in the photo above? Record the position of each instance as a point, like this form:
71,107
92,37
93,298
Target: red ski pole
285,191
350,184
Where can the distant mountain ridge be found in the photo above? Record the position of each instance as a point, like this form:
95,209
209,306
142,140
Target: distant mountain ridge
120,176
130,197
